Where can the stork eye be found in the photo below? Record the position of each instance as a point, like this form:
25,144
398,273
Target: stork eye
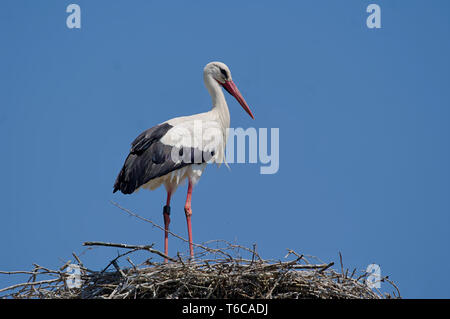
225,74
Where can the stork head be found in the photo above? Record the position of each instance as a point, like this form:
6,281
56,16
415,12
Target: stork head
221,73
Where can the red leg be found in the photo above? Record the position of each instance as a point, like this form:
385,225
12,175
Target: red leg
166,214
188,212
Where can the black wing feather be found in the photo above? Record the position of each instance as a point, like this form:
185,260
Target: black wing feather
149,159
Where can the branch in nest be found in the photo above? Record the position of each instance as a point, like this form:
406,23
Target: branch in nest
134,247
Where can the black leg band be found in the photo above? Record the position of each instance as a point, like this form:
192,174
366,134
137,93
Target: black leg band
166,210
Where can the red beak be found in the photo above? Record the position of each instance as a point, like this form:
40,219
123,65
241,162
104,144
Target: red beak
233,90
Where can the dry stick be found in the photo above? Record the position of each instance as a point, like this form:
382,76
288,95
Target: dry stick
78,259
31,284
65,265
290,251
100,243
131,263
37,267
18,272
180,259
342,265
230,245
32,273
116,265
326,267
322,267
393,284
253,251
253,254
362,276
134,247
290,264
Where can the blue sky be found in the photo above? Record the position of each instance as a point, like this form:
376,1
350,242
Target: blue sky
363,116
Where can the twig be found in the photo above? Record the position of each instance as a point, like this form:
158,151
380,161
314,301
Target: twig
131,263
342,265
77,259
18,272
326,267
394,285
114,263
135,247
30,284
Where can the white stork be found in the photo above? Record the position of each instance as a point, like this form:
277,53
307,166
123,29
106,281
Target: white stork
180,148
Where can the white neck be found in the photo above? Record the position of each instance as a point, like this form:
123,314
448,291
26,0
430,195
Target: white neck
220,107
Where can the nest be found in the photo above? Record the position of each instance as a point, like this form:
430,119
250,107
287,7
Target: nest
225,271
